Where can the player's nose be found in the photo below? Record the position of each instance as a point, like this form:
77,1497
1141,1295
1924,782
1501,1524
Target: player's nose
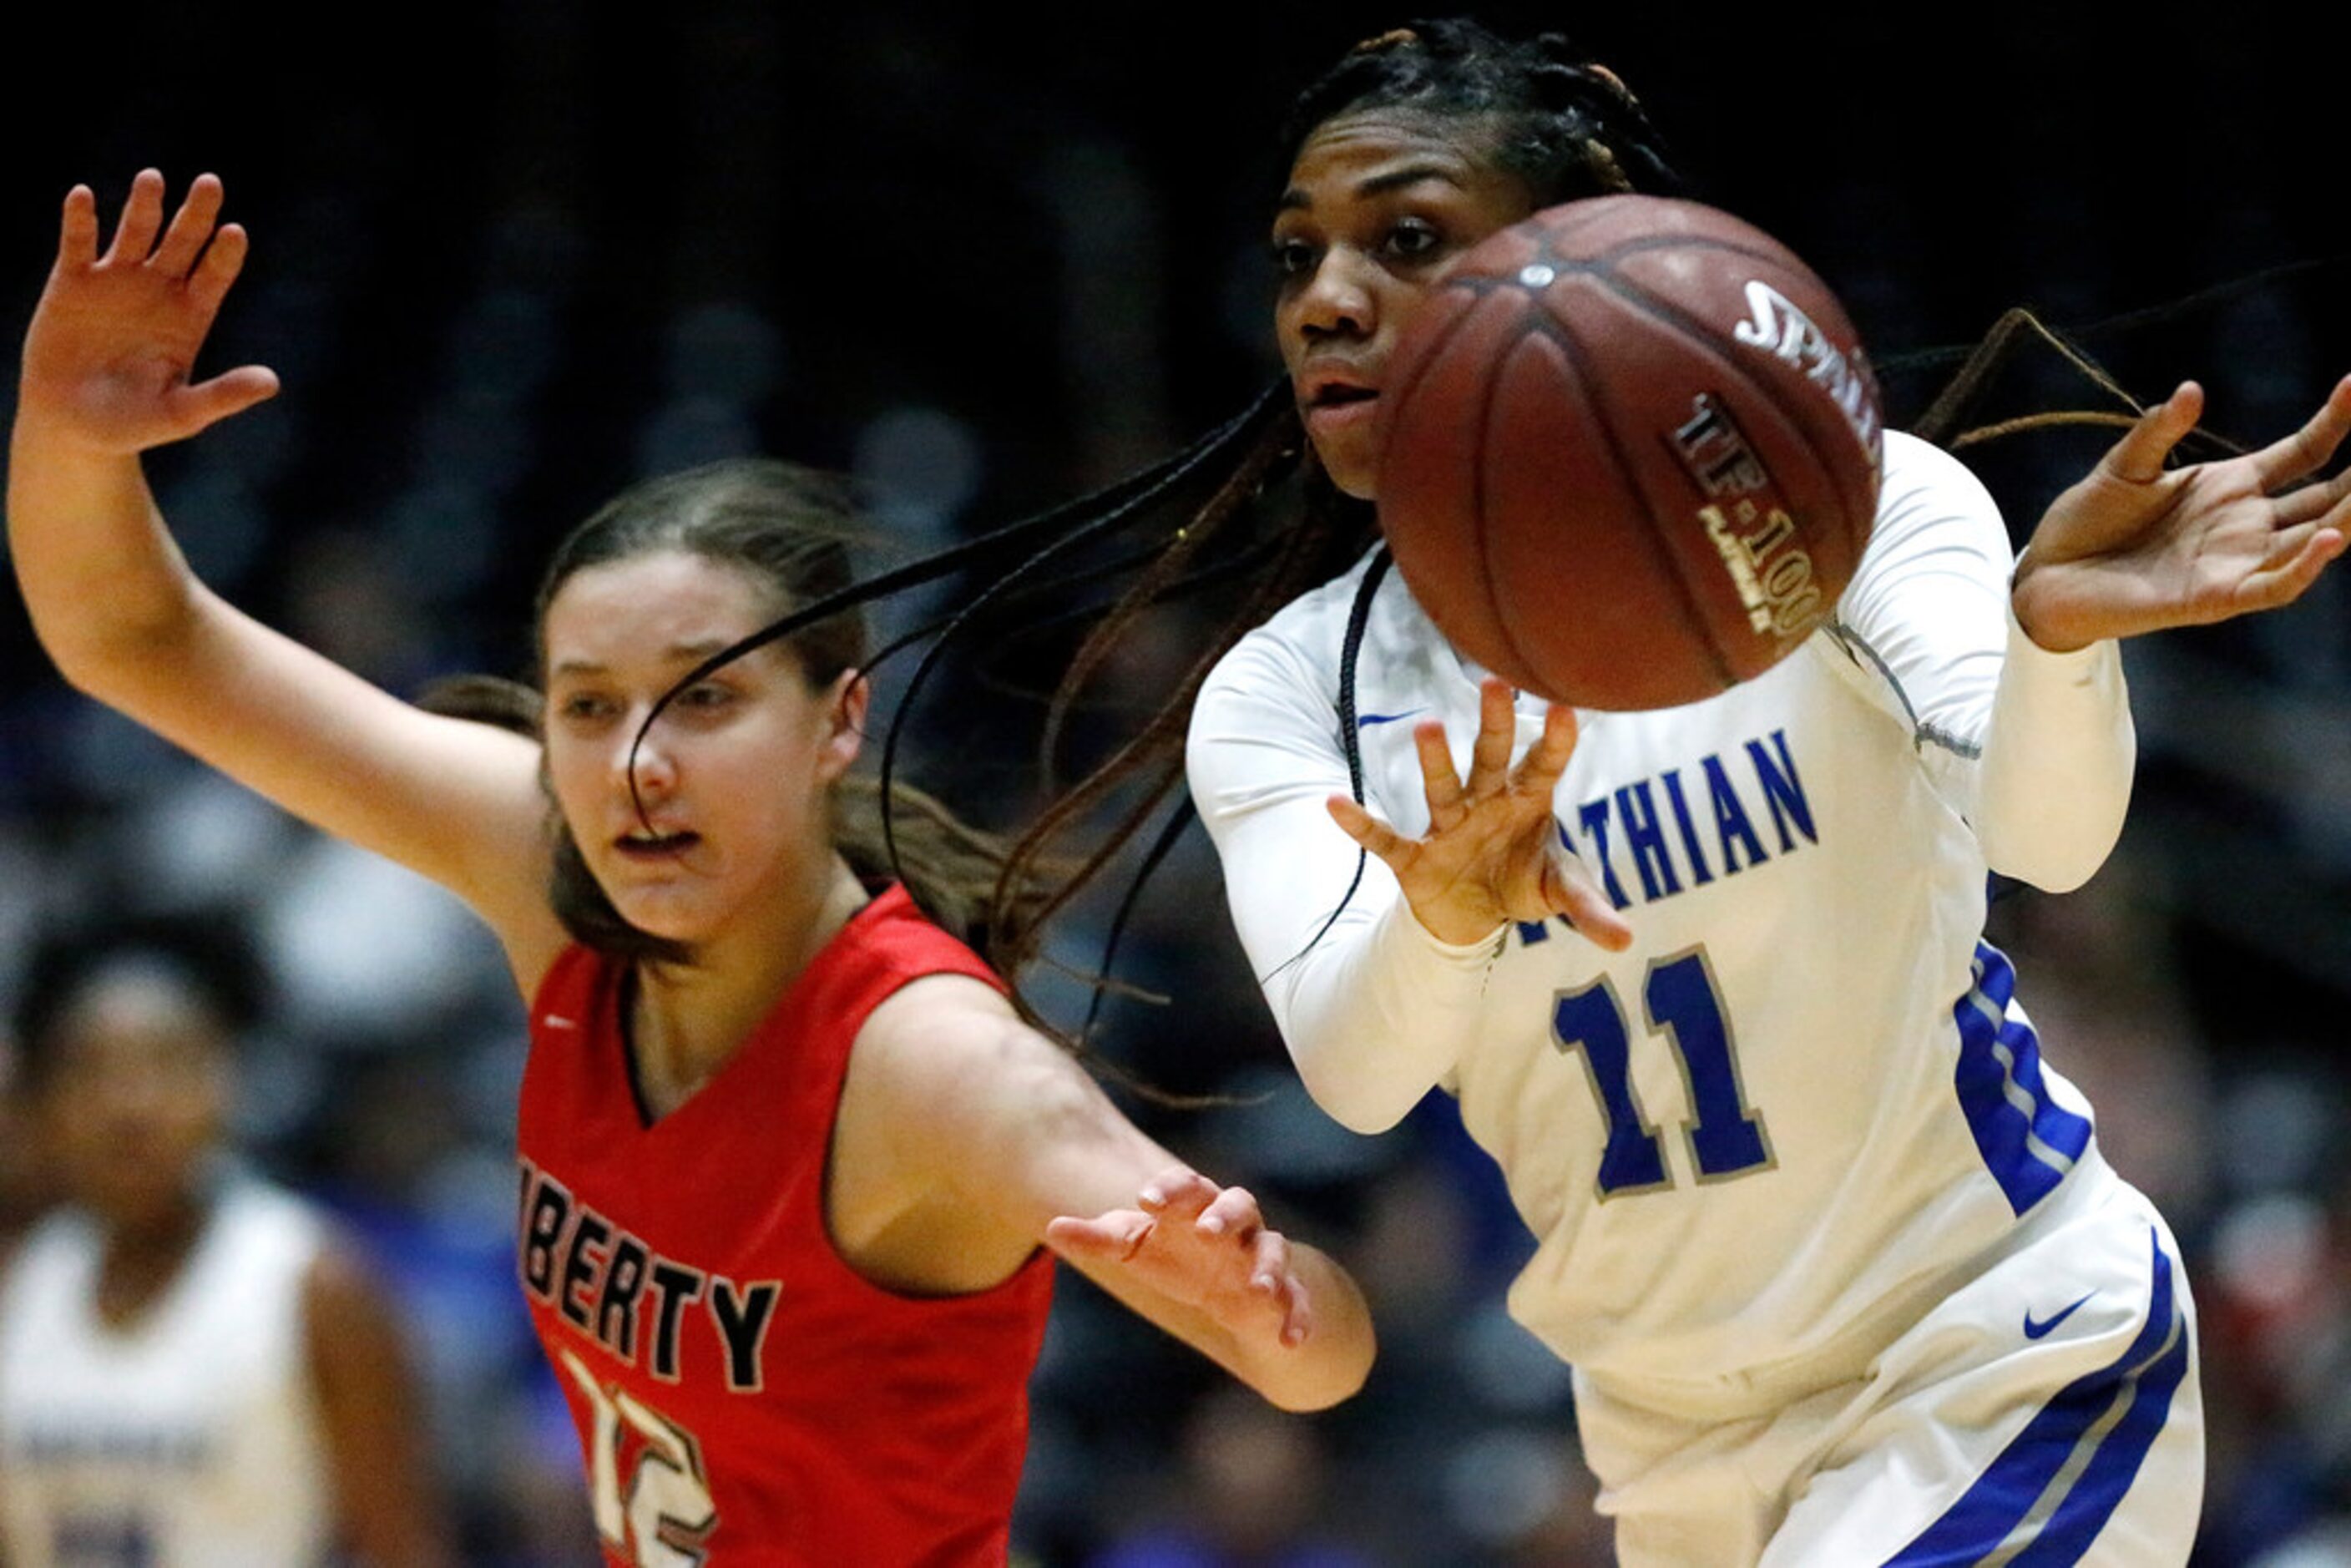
640,759
1337,300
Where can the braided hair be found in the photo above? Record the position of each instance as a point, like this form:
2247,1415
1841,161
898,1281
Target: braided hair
1566,127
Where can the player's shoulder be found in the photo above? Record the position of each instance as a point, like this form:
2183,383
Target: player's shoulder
1298,658
1927,498
265,1228
889,943
948,1051
1311,630
945,1002
937,1027
1278,675
1915,472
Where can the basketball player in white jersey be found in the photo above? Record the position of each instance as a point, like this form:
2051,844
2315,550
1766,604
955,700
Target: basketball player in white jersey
193,1371
1840,1273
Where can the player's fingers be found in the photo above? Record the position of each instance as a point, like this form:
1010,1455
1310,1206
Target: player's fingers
191,227
1269,1265
143,216
2289,575
1516,874
1438,781
1113,1237
1234,1212
1366,830
1273,1277
1570,890
78,230
1547,759
2316,503
1298,1324
2306,450
230,392
222,260
2139,455
1498,725
1179,1193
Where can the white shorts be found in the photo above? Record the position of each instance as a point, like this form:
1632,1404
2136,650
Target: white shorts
2044,1411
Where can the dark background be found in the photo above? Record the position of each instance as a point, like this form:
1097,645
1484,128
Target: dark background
511,256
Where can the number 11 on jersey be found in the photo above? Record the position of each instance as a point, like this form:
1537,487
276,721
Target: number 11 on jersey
1727,1137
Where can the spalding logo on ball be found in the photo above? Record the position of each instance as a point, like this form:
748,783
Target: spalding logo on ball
1631,452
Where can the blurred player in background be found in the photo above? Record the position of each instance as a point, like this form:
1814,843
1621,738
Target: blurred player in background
25,1187
788,1157
193,1367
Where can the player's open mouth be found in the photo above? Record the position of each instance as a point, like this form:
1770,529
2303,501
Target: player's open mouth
642,845
1338,405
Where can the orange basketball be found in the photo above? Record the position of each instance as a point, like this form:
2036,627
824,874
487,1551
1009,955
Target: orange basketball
1630,453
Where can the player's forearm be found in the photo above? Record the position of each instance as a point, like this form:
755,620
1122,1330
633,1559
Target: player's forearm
1336,1356
1374,1009
2059,752
1377,1013
104,582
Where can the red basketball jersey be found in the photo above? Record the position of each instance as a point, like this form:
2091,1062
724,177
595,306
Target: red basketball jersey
742,1395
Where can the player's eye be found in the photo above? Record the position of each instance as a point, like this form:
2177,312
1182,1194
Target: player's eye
585,707
705,696
1291,258
1414,239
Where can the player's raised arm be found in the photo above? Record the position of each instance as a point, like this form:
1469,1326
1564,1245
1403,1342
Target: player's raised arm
2136,546
109,372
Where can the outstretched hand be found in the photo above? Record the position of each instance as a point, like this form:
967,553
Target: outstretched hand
2136,547
114,340
1200,1244
1492,852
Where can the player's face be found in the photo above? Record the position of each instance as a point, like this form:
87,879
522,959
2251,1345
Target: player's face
735,774
1381,204
134,1098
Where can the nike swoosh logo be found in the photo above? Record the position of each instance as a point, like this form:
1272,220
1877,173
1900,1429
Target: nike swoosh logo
1365,721
2036,1330
551,1021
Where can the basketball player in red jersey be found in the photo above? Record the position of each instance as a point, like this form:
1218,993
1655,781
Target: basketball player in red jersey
787,1153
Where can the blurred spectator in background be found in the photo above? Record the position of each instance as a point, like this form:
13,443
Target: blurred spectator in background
193,1367
24,1179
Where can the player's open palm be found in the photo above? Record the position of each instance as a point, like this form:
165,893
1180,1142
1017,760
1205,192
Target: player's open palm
1205,1246
2136,546
1491,853
113,344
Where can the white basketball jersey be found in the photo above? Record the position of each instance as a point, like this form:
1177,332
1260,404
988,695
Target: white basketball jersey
1777,1123
188,1438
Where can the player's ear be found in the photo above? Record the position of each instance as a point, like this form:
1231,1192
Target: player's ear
847,701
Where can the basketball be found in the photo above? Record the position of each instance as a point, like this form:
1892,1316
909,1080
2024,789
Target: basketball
1629,453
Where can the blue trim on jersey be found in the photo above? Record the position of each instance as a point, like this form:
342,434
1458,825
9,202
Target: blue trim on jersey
2027,1140
2046,1497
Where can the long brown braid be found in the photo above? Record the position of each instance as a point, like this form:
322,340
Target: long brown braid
1149,765
1568,128
1271,518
